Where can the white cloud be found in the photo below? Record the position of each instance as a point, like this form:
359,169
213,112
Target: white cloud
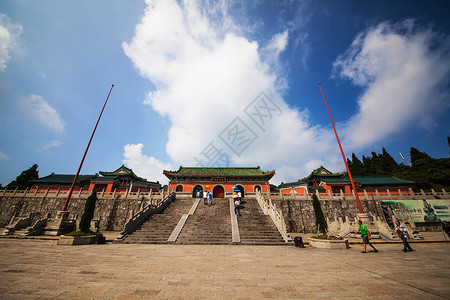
402,69
3,156
38,109
145,166
51,144
9,34
206,74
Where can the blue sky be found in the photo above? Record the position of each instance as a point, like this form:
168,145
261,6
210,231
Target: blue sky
219,83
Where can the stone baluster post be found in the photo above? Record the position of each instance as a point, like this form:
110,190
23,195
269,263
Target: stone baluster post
434,193
423,194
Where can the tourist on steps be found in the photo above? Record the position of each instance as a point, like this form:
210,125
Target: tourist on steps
209,199
237,208
365,234
205,196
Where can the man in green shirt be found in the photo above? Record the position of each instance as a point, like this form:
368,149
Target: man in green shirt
365,234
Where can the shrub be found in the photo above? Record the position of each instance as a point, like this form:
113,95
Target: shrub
325,237
320,219
88,213
80,233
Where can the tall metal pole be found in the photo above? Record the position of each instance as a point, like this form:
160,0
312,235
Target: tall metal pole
85,152
343,155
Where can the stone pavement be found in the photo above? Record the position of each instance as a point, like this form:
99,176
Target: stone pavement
40,269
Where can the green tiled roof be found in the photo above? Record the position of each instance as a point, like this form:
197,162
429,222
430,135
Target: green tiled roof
368,180
320,169
336,179
291,184
196,171
120,171
62,179
106,178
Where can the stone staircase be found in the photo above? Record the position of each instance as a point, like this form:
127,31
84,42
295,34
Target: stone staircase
208,225
256,228
160,226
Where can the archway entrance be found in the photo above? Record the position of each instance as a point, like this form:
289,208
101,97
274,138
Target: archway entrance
179,188
241,189
218,191
257,188
195,189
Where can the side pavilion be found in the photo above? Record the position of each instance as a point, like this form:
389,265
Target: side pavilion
219,181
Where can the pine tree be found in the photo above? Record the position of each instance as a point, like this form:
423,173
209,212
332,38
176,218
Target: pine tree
88,213
320,219
388,163
358,168
22,181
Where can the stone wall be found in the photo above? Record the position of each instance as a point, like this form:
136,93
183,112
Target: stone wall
300,213
112,212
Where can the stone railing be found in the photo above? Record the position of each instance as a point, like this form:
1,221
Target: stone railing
17,224
270,209
144,214
79,194
387,195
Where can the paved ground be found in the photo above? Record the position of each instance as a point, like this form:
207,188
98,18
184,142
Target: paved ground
35,269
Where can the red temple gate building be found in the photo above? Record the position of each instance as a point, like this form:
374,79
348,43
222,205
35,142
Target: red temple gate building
121,180
219,181
324,181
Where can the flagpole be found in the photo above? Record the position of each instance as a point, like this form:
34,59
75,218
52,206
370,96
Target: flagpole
343,155
85,152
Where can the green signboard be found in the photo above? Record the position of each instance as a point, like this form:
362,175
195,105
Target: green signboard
435,210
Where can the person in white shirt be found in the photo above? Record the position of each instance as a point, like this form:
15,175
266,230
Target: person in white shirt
205,197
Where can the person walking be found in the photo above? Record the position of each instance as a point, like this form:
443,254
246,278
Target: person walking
365,234
403,234
237,208
205,197
197,194
209,199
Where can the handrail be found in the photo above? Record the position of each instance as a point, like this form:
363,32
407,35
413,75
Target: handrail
277,217
143,215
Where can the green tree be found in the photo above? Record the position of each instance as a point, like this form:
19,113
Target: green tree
88,213
320,219
388,163
22,181
356,166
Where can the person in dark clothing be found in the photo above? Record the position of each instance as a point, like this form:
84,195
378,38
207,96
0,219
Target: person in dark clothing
404,235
